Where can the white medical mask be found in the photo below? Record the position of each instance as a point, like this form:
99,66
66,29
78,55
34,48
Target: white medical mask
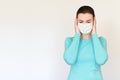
85,28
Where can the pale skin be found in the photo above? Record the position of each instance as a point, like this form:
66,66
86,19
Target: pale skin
85,18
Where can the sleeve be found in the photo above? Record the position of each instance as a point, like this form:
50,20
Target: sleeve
100,49
71,48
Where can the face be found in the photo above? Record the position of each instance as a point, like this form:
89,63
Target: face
85,23
85,18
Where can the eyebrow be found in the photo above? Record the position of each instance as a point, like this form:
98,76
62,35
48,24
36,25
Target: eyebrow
89,19
86,20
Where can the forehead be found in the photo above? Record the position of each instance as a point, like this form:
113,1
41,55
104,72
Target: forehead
85,16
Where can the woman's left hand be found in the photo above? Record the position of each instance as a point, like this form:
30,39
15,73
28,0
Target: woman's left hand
94,26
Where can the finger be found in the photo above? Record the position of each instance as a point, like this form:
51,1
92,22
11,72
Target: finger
76,22
94,21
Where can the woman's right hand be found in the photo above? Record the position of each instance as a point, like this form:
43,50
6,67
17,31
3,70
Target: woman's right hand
77,30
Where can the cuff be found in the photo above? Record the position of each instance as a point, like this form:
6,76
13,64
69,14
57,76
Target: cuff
77,35
94,35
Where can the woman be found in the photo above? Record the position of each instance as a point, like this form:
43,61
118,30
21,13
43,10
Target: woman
85,52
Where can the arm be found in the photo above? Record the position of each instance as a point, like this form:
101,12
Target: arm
71,49
100,49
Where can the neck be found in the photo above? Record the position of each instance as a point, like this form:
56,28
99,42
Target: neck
85,36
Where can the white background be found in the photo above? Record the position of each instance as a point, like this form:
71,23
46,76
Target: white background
32,34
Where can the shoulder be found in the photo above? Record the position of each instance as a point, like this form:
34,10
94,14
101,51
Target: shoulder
68,39
103,40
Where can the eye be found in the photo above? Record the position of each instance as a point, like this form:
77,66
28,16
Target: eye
88,22
80,22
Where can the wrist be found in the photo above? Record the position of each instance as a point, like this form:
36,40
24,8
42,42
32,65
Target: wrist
94,31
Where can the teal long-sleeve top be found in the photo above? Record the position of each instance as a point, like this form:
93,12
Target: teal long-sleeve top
85,56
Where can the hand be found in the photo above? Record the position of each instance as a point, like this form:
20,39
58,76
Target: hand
76,26
94,26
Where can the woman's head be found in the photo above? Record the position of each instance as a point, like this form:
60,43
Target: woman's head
85,18
85,14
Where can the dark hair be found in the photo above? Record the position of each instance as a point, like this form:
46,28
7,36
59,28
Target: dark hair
85,9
